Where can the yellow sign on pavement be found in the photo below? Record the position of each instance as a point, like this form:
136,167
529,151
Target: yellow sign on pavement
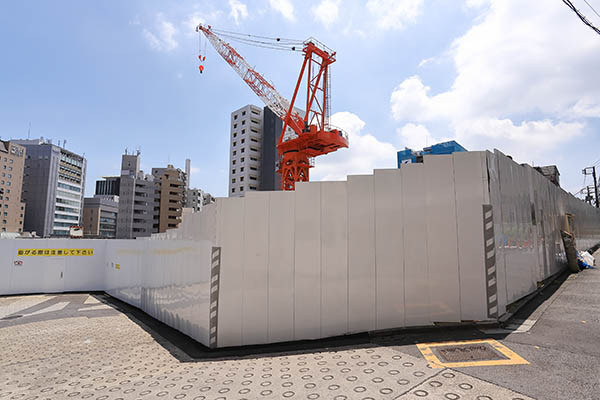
55,252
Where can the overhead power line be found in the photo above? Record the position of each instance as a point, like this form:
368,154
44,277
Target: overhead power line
581,16
594,10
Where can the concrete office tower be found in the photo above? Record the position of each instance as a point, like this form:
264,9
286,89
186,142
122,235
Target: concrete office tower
170,186
100,216
245,150
53,188
136,200
12,165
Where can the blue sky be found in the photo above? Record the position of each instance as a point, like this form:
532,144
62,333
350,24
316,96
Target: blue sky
112,75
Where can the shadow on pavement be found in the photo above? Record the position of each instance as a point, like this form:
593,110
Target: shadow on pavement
168,337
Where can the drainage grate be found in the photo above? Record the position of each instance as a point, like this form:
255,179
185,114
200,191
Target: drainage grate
11,317
467,352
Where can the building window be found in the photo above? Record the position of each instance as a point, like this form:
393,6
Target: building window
243,112
234,144
233,171
241,179
235,116
232,190
243,150
243,131
243,141
241,169
244,122
233,180
241,188
235,135
234,126
234,152
242,159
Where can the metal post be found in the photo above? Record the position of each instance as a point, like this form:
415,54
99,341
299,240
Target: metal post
595,186
585,172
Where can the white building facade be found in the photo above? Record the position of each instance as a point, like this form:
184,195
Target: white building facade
245,150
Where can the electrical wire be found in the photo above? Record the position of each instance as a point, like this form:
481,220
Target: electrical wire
275,43
589,5
581,16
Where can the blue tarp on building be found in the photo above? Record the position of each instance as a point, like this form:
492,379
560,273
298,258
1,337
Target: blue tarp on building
408,156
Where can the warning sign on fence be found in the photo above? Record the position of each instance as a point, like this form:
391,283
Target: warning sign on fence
55,252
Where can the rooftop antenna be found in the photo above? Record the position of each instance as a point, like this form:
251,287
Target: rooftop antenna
65,144
138,151
29,131
125,150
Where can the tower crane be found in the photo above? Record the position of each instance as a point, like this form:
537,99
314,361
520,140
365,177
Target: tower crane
312,135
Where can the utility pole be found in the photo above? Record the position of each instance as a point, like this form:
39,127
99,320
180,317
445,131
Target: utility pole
593,173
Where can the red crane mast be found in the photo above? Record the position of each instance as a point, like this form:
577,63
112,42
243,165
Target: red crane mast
313,135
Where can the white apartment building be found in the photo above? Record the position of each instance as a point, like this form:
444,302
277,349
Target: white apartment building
245,150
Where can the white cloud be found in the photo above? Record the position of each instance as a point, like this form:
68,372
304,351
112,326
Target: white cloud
326,12
511,65
285,7
364,153
238,10
426,61
415,136
163,36
395,14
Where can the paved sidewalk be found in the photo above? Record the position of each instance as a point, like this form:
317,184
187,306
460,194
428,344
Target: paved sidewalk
91,347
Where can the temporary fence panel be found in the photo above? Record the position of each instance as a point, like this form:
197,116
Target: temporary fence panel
471,189
389,248
334,259
414,213
362,283
255,301
307,261
230,238
442,245
281,266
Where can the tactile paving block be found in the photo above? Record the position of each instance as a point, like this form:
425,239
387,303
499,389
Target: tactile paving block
113,356
453,385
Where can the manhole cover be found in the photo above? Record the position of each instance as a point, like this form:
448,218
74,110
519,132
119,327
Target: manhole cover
467,352
11,317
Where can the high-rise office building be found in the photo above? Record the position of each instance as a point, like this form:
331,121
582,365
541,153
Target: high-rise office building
170,188
137,199
53,188
12,165
100,216
245,150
